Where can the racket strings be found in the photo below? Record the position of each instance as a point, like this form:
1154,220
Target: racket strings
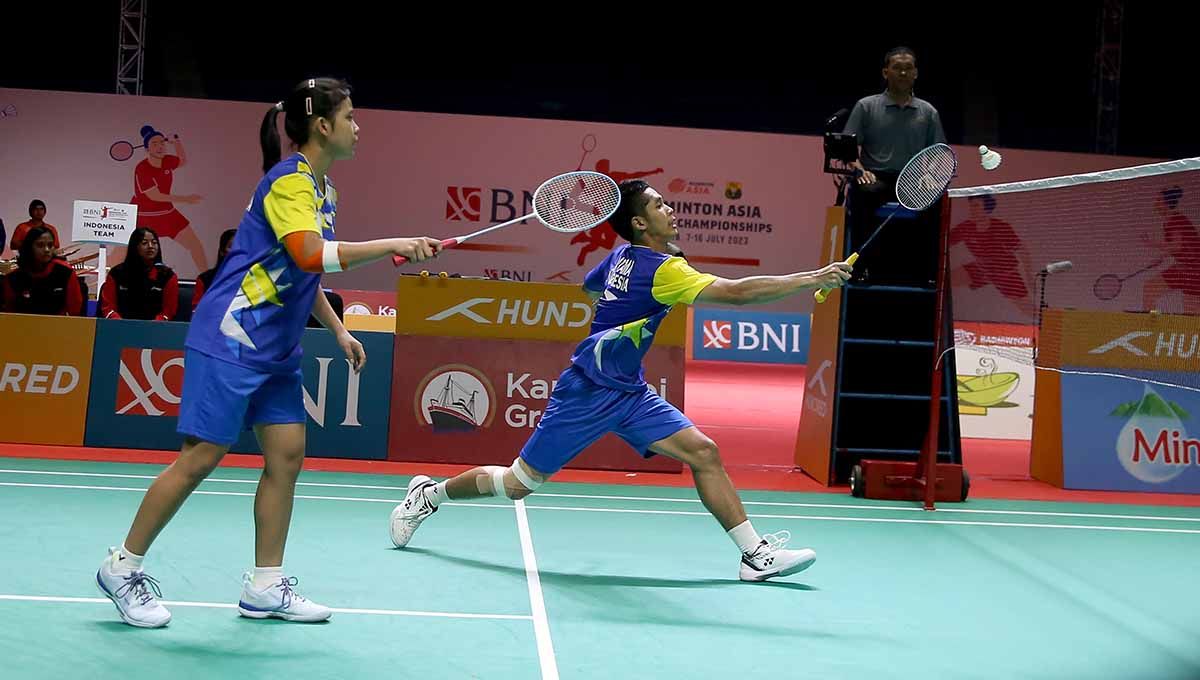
925,177
576,201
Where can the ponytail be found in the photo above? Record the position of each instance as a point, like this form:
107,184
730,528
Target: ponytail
268,137
316,97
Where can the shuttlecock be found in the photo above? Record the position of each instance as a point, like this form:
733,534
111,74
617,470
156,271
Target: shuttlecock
990,159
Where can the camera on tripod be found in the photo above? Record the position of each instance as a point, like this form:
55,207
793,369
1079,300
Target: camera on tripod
841,149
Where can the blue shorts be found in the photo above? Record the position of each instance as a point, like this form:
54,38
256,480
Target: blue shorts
221,399
580,412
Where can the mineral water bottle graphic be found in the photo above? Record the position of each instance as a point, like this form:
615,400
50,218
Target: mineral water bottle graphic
1150,446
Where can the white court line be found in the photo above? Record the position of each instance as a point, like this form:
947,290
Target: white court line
879,520
117,476
222,605
882,520
844,506
541,624
241,493
655,499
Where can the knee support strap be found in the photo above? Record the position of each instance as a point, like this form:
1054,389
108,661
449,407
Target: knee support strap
496,473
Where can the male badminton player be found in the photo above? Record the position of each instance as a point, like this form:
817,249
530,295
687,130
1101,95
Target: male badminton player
243,353
604,390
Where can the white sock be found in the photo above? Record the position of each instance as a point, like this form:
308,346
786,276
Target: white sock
126,559
265,577
745,537
436,494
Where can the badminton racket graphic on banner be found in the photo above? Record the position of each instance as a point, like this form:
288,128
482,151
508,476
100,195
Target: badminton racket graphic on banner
588,145
123,151
1108,286
921,184
571,202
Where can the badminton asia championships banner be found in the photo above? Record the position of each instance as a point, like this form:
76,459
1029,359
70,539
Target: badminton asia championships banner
746,203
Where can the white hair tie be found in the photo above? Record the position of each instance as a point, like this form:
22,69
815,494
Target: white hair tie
279,106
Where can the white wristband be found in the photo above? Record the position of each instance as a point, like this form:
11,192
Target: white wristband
330,257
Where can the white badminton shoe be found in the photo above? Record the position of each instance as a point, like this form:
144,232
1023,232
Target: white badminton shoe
278,600
771,559
407,516
134,594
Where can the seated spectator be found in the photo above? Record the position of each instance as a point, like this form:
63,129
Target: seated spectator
141,287
37,211
41,284
204,281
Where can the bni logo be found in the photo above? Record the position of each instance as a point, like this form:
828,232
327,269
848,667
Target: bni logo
151,382
746,336
463,204
718,334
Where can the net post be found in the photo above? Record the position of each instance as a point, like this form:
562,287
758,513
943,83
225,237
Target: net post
926,474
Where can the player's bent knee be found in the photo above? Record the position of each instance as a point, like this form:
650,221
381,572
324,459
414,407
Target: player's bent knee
284,463
198,459
518,493
706,455
513,482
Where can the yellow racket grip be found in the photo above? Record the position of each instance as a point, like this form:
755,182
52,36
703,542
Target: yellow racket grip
822,294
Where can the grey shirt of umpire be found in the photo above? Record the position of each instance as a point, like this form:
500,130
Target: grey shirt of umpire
891,134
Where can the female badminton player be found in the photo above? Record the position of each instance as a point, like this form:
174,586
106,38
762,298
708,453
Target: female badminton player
243,354
604,388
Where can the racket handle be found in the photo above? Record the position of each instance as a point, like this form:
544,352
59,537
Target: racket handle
823,294
400,259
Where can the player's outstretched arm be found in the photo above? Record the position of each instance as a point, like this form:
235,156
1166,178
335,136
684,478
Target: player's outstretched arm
759,289
315,255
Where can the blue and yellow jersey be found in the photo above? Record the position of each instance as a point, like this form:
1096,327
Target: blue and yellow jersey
256,310
637,288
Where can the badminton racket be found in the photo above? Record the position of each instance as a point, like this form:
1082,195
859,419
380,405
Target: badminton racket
1108,286
123,151
588,146
921,184
569,203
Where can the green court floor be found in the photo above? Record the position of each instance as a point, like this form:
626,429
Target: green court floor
588,581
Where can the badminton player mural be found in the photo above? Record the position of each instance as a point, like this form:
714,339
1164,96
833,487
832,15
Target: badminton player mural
153,178
1177,242
603,236
1000,256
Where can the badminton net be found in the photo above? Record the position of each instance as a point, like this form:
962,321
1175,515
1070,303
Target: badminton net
1096,273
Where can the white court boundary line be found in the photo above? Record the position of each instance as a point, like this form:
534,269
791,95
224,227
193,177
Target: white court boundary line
541,624
222,605
816,518
653,499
